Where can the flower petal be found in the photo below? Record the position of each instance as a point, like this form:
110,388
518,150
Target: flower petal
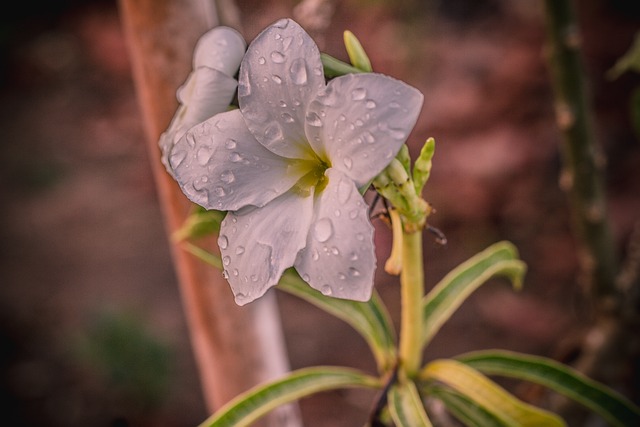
257,246
279,75
365,119
220,48
339,257
219,165
205,93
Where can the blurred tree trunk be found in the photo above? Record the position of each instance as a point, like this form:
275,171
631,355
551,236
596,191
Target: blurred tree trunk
610,341
235,347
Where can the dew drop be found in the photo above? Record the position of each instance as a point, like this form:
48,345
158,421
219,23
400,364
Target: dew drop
241,298
358,94
177,157
323,230
353,256
314,120
223,242
204,154
220,192
226,260
254,278
230,144
283,104
262,61
368,136
227,177
288,118
354,272
298,71
306,278
348,163
337,213
335,250
239,250
342,276
236,272
287,42
235,157
326,290
225,274
277,57
276,78
273,132
344,191
353,214
370,104
315,255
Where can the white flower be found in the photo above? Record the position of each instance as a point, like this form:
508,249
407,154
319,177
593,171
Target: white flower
289,163
209,88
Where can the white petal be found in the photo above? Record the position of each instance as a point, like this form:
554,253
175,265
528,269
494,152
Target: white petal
339,257
221,48
257,246
219,165
365,120
279,75
205,93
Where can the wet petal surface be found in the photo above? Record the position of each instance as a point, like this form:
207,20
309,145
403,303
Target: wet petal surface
363,119
220,48
257,246
279,75
219,165
339,258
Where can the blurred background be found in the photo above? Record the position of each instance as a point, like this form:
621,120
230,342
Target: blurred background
92,331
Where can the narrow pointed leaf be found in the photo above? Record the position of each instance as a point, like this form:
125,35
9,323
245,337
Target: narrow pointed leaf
500,259
357,55
607,403
463,408
251,405
334,67
406,407
488,395
422,166
370,318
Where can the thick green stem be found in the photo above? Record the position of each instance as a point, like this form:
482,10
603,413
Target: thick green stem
412,284
583,159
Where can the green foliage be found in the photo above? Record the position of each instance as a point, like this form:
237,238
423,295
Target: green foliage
251,405
630,61
129,358
406,407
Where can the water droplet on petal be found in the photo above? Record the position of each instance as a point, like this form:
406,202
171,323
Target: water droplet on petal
353,256
368,136
261,60
353,272
254,278
177,157
348,163
306,278
277,57
315,255
273,132
298,71
288,118
314,120
230,144
235,157
239,250
326,290
335,250
276,78
344,191
323,230
227,177
220,192
241,298
225,274
337,212
370,104
226,260
342,276
236,272
287,42
358,94
223,242
283,104
204,154
353,214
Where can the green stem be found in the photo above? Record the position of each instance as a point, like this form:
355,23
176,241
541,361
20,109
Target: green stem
412,291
